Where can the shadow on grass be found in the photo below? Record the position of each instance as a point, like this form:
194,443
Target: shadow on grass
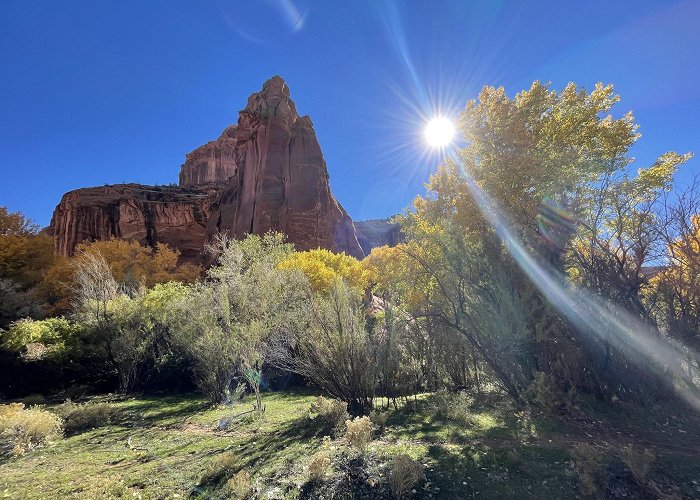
281,448
487,471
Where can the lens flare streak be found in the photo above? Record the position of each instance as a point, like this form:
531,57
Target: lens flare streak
592,314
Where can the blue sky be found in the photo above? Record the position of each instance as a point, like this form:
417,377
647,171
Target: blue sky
97,92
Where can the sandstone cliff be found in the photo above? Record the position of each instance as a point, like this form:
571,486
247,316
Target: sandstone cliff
148,214
378,232
265,173
213,163
280,181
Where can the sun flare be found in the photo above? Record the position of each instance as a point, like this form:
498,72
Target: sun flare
439,132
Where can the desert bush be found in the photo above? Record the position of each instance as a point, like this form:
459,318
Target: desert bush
444,406
332,412
337,352
638,461
240,485
319,465
405,474
358,433
79,417
378,419
226,324
588,462
23,429
546,394
39,339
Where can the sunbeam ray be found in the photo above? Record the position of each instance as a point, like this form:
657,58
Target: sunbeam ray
591,314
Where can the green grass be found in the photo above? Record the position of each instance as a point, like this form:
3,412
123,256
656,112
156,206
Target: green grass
161,447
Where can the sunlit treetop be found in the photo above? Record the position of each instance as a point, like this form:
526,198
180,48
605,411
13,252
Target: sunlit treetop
15,223
323,267
136,264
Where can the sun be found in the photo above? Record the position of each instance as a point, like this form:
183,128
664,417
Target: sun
439,132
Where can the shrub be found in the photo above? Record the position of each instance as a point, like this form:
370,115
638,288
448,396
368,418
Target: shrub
240,485
358,433
639,462
405,474
79,417
448,407
220,468
37,339
10,409
331,411
75,391
379,418
588,462
23,429
545,393
338,335
34,399
319,465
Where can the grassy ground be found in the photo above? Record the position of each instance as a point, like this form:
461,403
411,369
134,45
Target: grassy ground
163,447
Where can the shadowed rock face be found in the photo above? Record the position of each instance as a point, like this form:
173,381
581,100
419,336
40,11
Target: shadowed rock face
378,232
147,214
265,173
211,164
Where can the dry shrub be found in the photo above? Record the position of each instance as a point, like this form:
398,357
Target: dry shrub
379,418
22,430
639,462
332,411
240,485
221,467
448,407
588,462
35,351
79,417
358,433
545,393
319,465
405,474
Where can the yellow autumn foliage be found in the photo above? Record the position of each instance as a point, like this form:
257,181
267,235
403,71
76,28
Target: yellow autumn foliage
323,267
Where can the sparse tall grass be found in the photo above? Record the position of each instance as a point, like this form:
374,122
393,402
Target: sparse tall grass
80,417
405,474
24,429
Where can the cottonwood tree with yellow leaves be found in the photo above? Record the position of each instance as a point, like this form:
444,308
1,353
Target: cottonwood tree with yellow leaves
558,168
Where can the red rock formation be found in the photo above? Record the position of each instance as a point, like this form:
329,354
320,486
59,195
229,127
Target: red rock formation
281,179
266,173
148,214
214,163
